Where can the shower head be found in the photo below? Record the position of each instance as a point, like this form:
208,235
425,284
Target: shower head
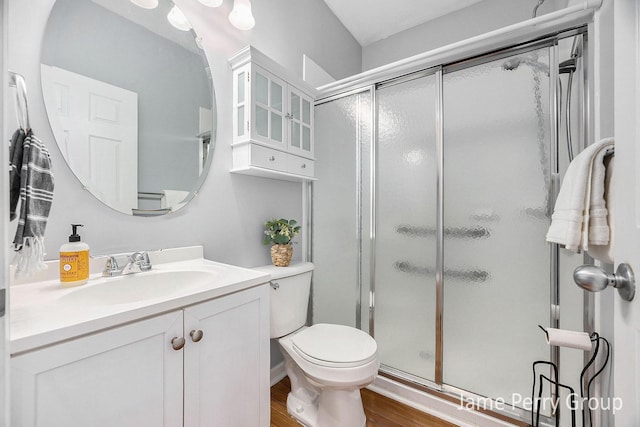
513,63
568,66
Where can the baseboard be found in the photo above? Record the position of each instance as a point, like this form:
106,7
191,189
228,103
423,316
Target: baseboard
425,402
277,373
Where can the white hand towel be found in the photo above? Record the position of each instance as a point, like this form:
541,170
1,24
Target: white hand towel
604,253
596,229
574,200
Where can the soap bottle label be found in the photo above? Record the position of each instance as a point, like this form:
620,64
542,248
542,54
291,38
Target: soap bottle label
74,266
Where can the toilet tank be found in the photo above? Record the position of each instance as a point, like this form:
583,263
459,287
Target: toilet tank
290,287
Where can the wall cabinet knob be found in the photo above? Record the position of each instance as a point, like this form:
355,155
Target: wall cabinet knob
177,343
196,335
304,166
272,158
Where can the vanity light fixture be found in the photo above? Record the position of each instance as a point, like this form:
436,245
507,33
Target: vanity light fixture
146,4
241,16
178,20
211,3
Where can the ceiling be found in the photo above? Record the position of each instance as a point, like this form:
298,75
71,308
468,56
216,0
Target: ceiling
372,20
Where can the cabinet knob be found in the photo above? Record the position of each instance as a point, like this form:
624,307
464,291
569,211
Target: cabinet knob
304,166
272,158
196,335
177,343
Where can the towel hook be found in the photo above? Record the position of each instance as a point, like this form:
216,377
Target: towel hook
22,110
594,279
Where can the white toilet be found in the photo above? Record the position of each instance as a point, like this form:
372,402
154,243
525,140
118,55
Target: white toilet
326,364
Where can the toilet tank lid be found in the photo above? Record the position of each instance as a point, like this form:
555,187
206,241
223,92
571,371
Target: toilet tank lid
291,270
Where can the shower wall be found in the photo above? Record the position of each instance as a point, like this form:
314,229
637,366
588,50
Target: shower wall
429,218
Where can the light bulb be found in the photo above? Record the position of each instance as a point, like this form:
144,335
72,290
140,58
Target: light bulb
241,16
178,20
211,3
146,4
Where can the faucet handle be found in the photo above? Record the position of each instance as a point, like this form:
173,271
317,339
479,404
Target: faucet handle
111,266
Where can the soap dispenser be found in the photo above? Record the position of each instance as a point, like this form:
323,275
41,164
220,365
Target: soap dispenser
74,260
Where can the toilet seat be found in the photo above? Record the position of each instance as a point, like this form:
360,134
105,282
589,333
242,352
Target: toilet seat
335,346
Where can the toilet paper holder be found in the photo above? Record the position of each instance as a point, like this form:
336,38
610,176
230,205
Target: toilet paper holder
595,279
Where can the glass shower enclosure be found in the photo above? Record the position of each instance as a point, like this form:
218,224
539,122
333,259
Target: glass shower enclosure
434,195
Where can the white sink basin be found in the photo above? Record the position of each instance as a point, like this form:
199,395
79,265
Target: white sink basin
43,312
137,287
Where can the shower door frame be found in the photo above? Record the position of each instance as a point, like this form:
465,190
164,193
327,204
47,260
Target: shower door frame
370,86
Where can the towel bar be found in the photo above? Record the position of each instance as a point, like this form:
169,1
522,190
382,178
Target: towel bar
465,275
473,232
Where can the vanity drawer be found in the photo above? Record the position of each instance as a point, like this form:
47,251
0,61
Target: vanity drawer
267,158
300,166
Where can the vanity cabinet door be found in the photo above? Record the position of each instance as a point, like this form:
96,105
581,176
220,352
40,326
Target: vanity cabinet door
125,376
226,364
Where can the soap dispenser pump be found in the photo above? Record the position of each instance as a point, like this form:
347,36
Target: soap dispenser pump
74,260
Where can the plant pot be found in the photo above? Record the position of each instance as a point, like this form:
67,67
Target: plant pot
281,255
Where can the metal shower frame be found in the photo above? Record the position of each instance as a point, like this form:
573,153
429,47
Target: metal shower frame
369,85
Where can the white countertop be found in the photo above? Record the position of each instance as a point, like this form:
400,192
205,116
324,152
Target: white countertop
43,312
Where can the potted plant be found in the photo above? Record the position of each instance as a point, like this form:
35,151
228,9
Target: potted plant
278,233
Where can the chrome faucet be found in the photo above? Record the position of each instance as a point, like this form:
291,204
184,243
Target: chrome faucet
137,262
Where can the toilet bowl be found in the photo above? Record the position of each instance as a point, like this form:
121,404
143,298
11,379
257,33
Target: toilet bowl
326,364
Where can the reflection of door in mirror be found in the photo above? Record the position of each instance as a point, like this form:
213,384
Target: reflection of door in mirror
101,146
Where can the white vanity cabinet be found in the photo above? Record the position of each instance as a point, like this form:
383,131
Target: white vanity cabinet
272,119
204,365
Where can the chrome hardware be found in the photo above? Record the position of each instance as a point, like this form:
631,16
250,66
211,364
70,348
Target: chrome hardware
196,335
111,268
272,158
137,262
275,285
177,343
471,275
595,279
2,301
304,166
469,232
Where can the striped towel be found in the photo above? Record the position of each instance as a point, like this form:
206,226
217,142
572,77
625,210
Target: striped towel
31,182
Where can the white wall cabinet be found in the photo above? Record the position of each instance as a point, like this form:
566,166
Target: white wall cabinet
204,365
272,119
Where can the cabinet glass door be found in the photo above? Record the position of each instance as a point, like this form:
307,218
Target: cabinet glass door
269,109
301,117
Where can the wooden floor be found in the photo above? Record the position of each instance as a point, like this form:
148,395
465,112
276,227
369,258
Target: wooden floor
380,410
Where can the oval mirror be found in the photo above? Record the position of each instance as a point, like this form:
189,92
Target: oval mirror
130,101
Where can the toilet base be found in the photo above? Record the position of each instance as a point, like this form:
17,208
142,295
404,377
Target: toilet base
323,411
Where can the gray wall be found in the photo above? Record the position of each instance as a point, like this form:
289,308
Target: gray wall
228,214
482,17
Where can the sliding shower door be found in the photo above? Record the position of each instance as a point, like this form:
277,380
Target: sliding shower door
405,217
430,213
497,164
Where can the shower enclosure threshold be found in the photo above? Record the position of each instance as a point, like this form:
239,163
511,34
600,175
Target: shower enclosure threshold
450,406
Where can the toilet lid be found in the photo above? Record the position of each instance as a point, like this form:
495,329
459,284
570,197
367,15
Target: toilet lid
328,345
